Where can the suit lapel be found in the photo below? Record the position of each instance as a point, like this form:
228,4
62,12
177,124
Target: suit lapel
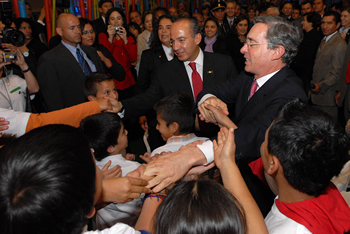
161,55
70,60
328,44
261,94
182,76
208,71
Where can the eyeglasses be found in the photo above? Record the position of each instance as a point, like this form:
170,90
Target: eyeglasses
254,44
86,32
180,41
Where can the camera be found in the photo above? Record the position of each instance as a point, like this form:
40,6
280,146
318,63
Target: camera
117,29
9,56
12,36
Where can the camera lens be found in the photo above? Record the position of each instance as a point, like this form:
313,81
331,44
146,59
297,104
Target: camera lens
16,38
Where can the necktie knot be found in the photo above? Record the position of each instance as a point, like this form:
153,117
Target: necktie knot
193,66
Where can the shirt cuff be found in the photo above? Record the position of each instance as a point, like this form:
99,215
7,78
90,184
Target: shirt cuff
205,97
207,150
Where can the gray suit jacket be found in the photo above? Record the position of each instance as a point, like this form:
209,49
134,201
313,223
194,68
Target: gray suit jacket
61,78
326,72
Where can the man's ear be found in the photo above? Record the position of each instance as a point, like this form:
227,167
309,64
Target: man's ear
279,52
59,31
92,98
198,38
274,165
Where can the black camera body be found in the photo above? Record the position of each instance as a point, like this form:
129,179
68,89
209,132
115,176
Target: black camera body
12,36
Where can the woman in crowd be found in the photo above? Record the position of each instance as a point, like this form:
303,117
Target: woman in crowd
235,40
34,45
304,61
143,38
251,14
88,38
206,10
119,41
345,22
213,41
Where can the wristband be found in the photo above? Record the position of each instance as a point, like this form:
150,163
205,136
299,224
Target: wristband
157,195
27,70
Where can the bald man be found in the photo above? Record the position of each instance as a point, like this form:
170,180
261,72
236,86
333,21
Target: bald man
62,71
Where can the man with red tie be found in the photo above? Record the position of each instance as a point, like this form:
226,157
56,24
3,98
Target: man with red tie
189,72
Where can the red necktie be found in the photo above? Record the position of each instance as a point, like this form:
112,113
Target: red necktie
253,88
197,82
347,75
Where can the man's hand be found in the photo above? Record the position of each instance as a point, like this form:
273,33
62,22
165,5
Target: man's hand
111,173
143,123
122,189
224,148
336,97
316,90
206,115
171,167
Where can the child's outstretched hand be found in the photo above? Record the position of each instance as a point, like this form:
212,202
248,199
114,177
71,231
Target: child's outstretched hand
221,118
111,173
224,148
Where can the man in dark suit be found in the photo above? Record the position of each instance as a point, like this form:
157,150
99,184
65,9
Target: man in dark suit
257,94
62,70
177,75
100,24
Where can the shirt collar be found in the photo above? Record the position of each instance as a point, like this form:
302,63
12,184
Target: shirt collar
199,60
181,138
168,52
70,47
329,36
262,80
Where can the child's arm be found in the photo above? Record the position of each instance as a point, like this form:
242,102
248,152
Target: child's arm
221,119
224,153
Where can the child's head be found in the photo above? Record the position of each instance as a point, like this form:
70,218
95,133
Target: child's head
174,115
98,85
47,182
105,133
308,145
200,206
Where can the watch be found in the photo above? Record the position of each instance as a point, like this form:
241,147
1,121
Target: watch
26,54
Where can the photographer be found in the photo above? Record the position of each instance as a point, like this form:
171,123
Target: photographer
11,39
12,87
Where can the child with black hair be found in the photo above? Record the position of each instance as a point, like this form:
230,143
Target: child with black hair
108,139
302,151
175,121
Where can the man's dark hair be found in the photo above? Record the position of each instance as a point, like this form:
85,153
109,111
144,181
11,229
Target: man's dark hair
335,14
156,44
47,182
309,146
28,4
189,208
90,87
154,19
194,26
101,130
314,18
101,2
177,107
